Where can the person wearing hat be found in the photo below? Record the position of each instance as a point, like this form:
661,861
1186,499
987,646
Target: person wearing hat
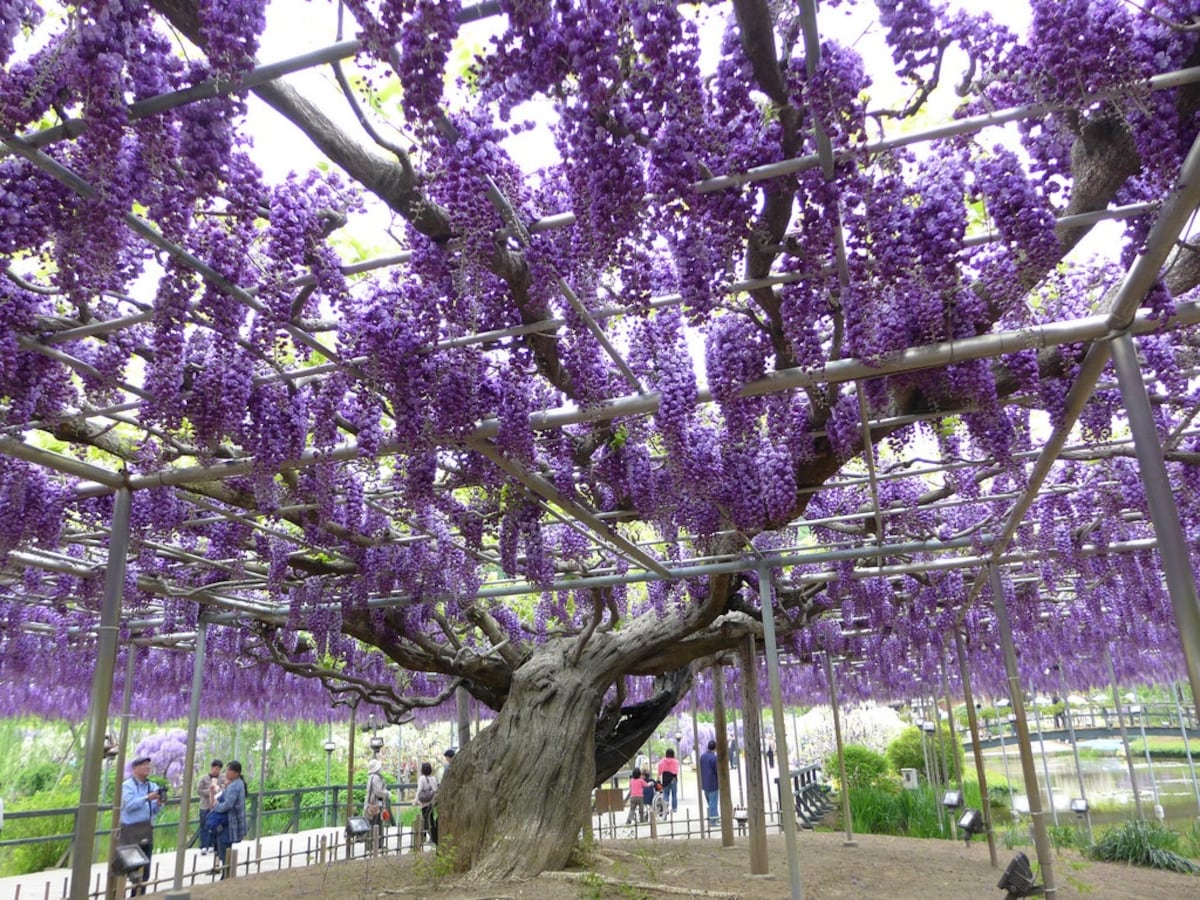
377,796
141,802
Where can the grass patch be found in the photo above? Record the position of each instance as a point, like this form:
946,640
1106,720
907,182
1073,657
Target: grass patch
439,864
1143,844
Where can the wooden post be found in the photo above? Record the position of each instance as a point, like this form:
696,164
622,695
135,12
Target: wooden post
752,720
722,756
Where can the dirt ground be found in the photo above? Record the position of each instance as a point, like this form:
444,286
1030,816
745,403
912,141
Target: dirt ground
879,867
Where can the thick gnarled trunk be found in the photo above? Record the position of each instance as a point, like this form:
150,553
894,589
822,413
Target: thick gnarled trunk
516,797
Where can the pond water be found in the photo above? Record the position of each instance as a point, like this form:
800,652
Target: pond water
1106,784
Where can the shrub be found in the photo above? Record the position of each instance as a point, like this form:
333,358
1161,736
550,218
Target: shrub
46,854
1143,844
864,768
907,750
36,779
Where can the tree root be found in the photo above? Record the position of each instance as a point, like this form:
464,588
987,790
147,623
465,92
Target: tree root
593,877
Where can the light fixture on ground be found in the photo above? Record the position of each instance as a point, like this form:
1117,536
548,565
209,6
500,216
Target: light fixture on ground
1017,879
357,828
1079,806
952,799
971,823
128,859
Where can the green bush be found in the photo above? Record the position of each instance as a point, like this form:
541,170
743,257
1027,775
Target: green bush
1143,844
37,779
907,750
45,854
864,768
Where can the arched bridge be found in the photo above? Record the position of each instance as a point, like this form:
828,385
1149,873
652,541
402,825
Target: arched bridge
1092,724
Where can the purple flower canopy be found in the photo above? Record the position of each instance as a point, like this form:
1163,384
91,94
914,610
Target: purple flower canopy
734,312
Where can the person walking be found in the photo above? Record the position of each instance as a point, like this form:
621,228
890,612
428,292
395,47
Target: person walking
232,802
377,796
668,774
709,783
427,788
637,803
210,784
141,802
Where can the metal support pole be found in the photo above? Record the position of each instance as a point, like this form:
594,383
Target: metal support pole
1176,691
119,762
739,715
787,806
328,773
752,751
189,756
1133,782
934,771
1075,750
1041,837
976,749
262,782
108,637
954,743
837,737
723,785
350,767
705,827
1172,544
1158,810
1037,718
1012,793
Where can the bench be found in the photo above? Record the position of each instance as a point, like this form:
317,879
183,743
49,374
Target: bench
1017,879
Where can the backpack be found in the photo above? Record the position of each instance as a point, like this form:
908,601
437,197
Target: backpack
216,822
426,793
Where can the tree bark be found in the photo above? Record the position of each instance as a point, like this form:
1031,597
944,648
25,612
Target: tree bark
515,798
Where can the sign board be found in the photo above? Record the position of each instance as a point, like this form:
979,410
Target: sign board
609,800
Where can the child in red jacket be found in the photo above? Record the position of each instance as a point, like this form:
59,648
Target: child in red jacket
637,806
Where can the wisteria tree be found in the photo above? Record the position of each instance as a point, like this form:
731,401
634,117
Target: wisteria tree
495,458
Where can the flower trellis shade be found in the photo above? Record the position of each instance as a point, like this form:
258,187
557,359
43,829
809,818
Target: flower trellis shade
733,306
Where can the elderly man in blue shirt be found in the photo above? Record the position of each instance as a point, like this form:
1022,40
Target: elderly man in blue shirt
232,801
141,802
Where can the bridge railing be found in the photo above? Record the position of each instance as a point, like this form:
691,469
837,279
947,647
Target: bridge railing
1098,716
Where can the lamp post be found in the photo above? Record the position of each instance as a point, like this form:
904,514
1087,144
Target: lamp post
329,746
376,741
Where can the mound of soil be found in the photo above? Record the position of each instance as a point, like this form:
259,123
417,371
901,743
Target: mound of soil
879,866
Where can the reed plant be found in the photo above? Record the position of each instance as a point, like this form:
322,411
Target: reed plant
1143,844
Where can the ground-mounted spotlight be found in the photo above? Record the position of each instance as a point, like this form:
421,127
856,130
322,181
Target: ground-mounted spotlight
971,824
1079,806
1017,879
952,799
357,828
129,859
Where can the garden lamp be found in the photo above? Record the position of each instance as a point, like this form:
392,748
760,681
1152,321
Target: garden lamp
971,823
